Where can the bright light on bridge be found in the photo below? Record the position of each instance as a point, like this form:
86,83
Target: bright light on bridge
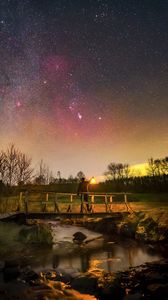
92,180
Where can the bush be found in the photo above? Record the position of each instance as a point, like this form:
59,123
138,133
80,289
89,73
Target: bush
37,234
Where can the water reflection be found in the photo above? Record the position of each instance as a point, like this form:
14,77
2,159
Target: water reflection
116,258
121,258
66,255
56,261
85,262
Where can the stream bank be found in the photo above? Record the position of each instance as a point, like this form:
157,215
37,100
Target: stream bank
142,226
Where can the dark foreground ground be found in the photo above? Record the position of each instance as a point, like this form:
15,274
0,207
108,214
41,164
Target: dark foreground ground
148,281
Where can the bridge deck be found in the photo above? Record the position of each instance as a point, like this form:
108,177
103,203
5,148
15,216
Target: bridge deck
56,215
11,215
71,215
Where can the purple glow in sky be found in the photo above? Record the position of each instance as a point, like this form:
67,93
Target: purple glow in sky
84,83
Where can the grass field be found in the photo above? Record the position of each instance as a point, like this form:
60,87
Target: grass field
150,197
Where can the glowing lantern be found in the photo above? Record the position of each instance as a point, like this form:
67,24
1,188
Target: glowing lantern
92,180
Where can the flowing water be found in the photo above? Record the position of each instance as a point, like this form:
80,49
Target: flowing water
103,253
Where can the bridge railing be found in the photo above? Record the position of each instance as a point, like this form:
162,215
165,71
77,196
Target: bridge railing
71,202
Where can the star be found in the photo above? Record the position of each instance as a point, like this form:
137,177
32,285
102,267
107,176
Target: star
79,116
18,104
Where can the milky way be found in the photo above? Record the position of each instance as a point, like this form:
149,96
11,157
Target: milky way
84,83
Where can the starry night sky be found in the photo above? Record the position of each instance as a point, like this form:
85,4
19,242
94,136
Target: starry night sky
84,83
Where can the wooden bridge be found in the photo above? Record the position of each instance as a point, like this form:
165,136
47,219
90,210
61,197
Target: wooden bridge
68,205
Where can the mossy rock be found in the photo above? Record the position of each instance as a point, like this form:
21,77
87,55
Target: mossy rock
127,229
135,217
147,229
37,234
148,223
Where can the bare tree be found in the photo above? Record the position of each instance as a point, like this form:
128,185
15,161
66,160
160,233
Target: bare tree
24,169
126,170
11,162
158,167
164,165
2,166
151,168
80,175
59,175
111,172
51,177
117,171
43,175
15,166
120,170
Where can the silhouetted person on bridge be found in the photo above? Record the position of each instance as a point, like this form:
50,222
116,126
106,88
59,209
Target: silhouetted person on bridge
83,192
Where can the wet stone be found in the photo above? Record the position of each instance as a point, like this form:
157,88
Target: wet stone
79,237
50,275
29,276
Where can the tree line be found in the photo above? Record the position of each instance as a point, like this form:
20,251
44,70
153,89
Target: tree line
16,169
119,177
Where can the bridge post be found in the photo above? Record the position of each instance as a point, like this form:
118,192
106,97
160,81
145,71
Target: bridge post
92,203
70,205
111,201
26,201
83,203
45,204
106,202
56,204
125,201
20,201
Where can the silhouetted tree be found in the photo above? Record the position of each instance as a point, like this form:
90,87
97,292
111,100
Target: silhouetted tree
59,176
117,171
80,175
70,179
164,165
151,168
11,162
126,171
44,174
40,180
24,169
121,179
111,172
2,166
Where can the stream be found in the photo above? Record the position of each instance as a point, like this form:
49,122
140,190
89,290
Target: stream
107,253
